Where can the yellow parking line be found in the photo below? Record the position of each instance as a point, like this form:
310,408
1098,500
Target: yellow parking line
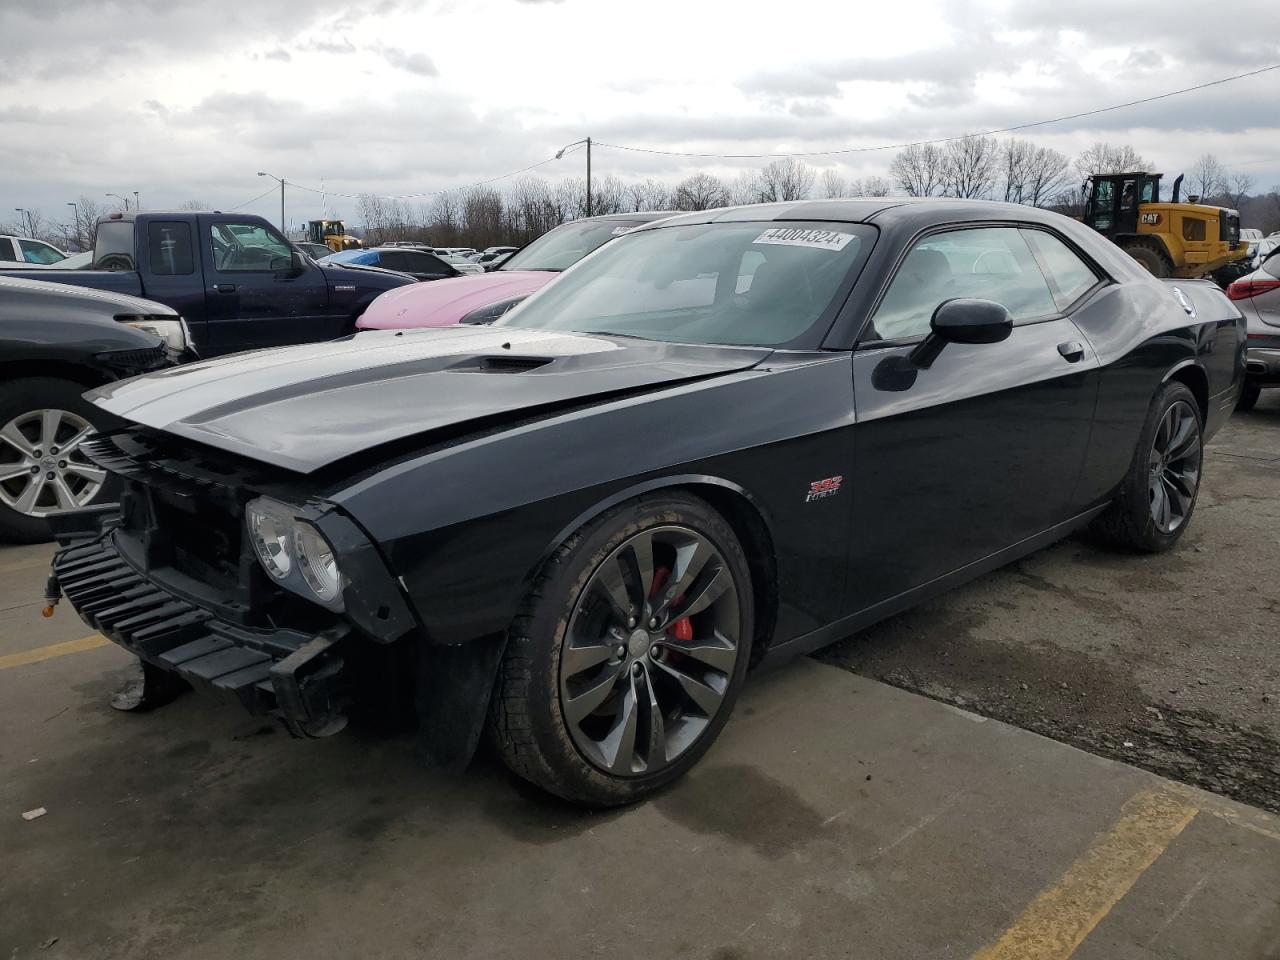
51,651
1059,919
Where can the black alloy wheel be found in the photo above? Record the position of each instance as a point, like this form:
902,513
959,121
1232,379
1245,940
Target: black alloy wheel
624,661
1152,507
652,644
1175,467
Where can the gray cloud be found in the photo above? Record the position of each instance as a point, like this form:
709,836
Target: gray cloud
413,62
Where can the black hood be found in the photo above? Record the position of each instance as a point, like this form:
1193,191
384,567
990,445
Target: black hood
305,407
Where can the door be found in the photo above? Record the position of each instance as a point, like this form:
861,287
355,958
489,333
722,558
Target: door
1127,207
253,296
172,274
983,449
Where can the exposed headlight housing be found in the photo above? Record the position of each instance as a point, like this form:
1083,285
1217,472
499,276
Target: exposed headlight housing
491,312
293,552
172,330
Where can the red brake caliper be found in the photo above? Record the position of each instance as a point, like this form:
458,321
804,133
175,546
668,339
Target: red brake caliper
682,629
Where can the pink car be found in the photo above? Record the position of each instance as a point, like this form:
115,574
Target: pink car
484,298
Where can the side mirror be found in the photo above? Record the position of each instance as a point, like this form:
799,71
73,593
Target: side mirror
962,321
296,267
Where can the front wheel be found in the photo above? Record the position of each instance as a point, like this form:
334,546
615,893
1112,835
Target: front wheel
626,657
43,421
1155,501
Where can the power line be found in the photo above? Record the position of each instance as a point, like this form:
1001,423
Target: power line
915,143
255,199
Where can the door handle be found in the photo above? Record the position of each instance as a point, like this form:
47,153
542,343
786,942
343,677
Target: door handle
1071,351
225,287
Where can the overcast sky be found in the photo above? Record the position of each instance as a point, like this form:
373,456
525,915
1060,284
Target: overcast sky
188,100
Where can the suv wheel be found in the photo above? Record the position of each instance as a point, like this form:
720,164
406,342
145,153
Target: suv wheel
43,421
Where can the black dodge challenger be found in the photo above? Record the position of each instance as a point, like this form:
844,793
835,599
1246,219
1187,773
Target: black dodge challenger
728,436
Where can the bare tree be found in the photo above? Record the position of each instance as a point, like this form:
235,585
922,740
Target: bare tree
1237,187
969,169
84,222
747,187
920,170
1207,178
1109,158
1032,174
701,192
648,195
788,179
834,185
608,195
876,187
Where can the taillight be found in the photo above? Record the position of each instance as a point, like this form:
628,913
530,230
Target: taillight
1246,288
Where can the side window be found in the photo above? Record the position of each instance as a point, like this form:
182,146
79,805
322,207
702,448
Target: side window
1069,276
113,246
1148,191
247,248
6,249
987,263
169,248
33,251
392,260
433,264
1104,198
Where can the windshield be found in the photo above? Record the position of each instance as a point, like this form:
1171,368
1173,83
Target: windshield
353,256
762,283
561,248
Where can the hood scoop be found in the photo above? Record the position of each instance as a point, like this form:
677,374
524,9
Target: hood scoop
499,364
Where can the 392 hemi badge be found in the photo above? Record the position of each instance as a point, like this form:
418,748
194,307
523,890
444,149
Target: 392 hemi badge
344,287
821,489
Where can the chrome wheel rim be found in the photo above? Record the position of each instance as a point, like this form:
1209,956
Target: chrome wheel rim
42,468
1174,465
649,651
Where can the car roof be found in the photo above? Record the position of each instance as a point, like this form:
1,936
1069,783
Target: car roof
866,210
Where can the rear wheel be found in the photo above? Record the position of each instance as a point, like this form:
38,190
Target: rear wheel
1249,394
43,421
1150,259
628,653
1154,504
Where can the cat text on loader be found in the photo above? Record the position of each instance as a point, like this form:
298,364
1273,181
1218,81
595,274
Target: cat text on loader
332,233
1169,239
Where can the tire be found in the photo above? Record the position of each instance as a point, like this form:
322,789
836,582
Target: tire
1131,520
531,721
1155,264
1248,398
20,401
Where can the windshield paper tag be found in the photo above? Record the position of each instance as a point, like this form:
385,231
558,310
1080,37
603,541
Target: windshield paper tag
793,237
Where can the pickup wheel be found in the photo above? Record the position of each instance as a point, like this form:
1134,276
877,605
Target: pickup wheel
625,659
1153,506
42,470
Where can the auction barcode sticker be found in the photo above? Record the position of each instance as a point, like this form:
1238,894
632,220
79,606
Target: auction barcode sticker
795,237
619,231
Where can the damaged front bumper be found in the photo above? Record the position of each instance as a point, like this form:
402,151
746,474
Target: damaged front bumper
296,677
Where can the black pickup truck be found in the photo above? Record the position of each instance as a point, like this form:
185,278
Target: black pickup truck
237,282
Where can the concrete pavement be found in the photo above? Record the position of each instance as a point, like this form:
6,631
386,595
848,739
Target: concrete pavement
838,817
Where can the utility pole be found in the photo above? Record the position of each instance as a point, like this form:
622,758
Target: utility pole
284,229
27,222
137,205
124,200
560,153
75,221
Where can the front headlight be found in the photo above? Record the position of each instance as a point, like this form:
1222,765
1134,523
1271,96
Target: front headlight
293,552
316,562
172,330
271,528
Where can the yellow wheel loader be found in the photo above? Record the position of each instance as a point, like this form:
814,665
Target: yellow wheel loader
1170,239
332,233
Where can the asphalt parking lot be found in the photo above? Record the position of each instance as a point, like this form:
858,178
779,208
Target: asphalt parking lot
838,816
